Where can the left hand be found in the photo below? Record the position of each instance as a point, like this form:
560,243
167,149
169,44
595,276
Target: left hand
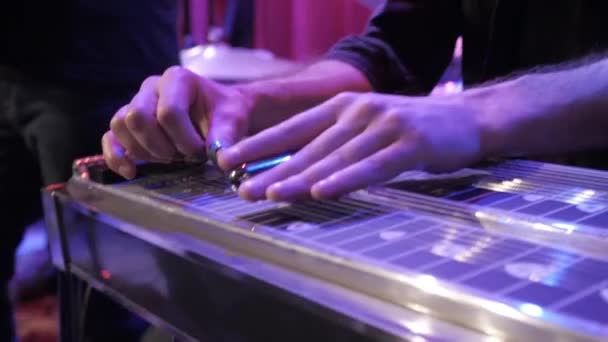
356,140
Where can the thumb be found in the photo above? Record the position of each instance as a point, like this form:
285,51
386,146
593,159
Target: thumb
115,156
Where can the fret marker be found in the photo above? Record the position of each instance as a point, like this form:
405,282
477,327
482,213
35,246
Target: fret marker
604,294
389,235
533,197
529,271
448,249
299,226
590,207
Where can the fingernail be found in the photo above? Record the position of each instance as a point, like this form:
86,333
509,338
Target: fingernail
274,191
319,190
250,190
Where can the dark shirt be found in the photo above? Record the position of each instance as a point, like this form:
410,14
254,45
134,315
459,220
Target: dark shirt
409,43
114,42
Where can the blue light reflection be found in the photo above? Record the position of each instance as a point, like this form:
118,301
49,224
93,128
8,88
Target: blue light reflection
531,309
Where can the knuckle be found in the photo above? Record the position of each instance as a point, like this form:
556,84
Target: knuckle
362,109
150,81
348,128
358,113
415,133
394,122
167,114
372,104
392,117
344,97
117,121
176,73
116,124
106,139
172,70
105,142
135,119
413,139
364,99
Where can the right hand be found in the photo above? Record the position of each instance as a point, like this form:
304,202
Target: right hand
171,118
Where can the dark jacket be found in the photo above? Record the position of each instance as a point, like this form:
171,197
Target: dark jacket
409,43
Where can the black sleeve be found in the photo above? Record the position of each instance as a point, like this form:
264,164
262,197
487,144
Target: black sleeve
406,46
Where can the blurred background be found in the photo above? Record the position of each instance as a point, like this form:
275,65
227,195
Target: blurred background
294,29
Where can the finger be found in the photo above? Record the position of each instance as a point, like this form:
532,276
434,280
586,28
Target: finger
228,121
177,93
381,166
123,135
114,155
141,122
319,148
294,191
226,129
360,147
289,135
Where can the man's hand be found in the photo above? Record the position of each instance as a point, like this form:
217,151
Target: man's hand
174,116
169,118
355,140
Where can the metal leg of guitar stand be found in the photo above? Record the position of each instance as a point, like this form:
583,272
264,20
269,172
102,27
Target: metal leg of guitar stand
69,308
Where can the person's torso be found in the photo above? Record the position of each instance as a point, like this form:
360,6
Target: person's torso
502,37
110,41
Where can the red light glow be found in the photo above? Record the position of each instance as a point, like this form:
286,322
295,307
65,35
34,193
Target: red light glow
105,274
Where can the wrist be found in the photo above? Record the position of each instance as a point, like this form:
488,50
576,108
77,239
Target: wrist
496,110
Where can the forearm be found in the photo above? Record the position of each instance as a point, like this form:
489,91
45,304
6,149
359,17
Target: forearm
545,113
277,99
